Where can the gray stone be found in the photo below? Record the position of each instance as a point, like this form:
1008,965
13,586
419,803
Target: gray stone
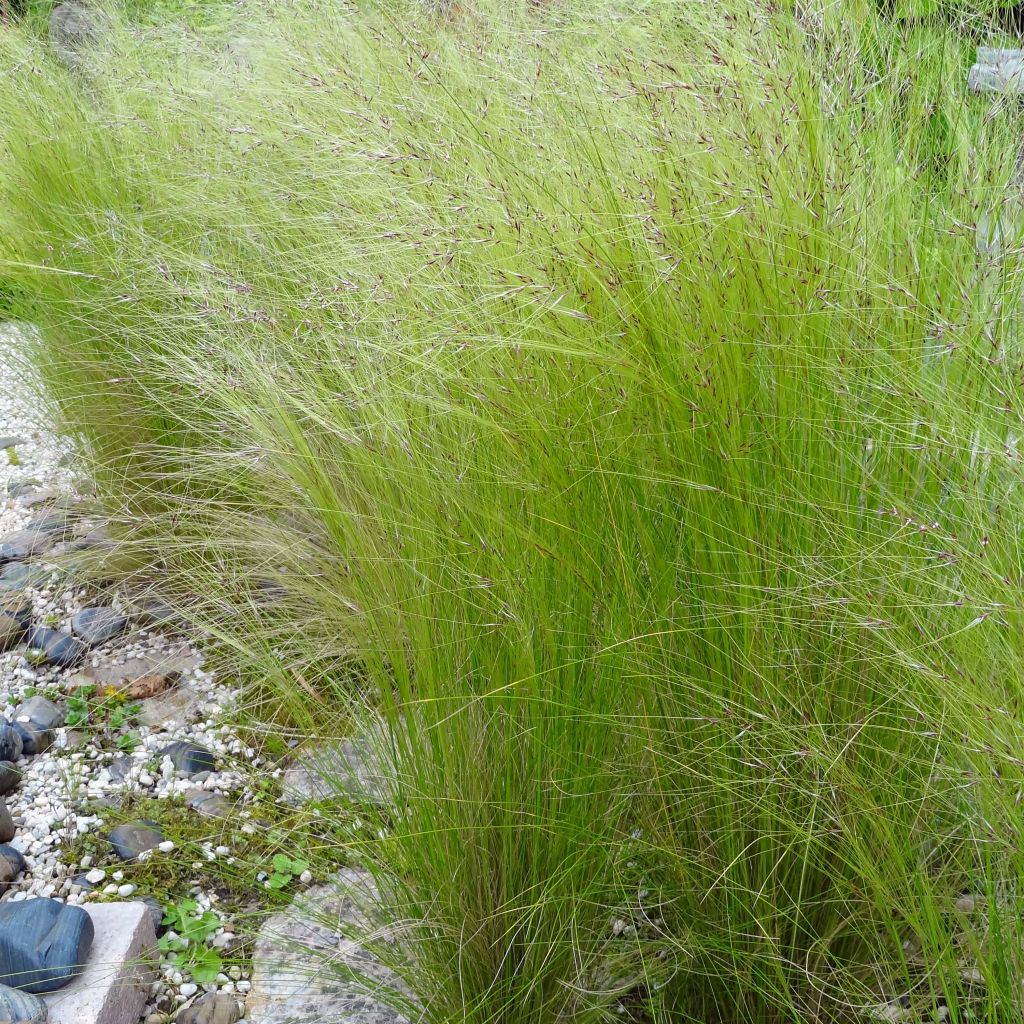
7,829
41,712
74,28
16,604
121,769
17,576
9,777
212,805
12,863
135,837
33,739
17,1007
58,648
10,742
55,522
43,943
347,769
171,709
113,987
11,441
189,758
98,625
213,1008
22,544
169,664
303,960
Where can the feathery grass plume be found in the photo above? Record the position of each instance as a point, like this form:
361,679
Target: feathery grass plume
615,397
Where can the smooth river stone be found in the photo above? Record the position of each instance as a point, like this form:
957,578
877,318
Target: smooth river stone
18,1007
43,943
11,865
61,649
9,777
33,740
211,805
23,544
135,837
189,758
10,742
18,576
17,606
42,713
97,625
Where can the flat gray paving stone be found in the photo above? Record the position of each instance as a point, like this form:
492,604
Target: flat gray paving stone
301,958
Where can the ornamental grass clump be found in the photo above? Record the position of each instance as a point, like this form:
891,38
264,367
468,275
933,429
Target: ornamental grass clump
623,401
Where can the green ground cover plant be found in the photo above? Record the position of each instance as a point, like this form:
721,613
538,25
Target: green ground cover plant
616,398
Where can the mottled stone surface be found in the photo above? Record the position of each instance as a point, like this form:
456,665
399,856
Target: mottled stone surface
170,707
134,837
112,988
10,742
347,769
43,944
17,1007
75,27
98,625
212,805
213,1008
301,959
11,865
61,649
189,758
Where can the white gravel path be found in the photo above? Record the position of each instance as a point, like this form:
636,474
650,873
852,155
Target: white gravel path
47,806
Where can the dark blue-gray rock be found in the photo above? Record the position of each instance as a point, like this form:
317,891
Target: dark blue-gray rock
98,625
9,777
61,649
41,712
17,1007
212,805
17,606
189,758
22,544
12,863
18,576
43,944
82,881
212,1008
33,739
135,837
10,742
